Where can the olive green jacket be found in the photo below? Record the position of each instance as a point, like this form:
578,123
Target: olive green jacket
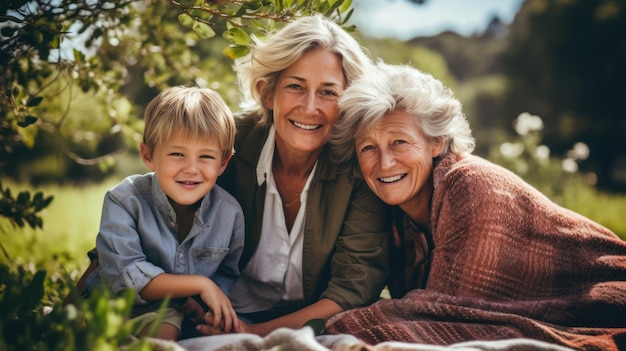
346,231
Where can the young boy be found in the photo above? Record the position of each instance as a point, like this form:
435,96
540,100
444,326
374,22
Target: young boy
173,232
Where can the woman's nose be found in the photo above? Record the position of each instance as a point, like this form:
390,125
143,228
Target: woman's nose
310,103
387,159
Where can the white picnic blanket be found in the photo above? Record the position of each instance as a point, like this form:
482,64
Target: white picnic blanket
284,339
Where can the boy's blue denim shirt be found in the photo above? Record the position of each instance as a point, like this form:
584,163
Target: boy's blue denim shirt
138,237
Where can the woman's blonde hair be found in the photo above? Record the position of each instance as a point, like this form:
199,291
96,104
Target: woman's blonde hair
387,88
267,59
197,112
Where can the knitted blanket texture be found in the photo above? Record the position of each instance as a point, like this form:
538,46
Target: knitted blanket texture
505,262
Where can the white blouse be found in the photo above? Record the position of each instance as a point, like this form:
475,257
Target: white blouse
274,272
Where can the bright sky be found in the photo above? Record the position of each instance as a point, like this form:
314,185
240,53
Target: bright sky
404,20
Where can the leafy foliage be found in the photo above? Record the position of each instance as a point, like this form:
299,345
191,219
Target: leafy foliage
23,208
99,322
243,18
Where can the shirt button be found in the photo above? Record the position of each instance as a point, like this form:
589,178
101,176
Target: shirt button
180,255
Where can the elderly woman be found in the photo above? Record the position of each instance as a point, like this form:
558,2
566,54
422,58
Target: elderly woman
316,239
481,254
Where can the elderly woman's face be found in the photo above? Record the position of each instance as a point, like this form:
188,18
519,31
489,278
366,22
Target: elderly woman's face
305,100
396,160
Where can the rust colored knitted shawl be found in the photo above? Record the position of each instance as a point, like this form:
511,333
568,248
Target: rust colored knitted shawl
507,263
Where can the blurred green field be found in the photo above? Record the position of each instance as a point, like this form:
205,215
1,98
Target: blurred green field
606,209
70,225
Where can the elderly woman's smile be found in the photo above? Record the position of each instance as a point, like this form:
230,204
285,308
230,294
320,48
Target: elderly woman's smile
392,179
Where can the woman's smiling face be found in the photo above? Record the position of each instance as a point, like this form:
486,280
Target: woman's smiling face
305,100
396,160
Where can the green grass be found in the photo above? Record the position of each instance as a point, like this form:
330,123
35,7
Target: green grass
70,226
606,209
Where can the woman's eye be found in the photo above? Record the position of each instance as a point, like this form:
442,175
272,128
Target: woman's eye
294,86
400,144
329,93
367,148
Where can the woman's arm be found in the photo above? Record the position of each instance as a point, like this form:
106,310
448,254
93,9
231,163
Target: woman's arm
322,309
359,262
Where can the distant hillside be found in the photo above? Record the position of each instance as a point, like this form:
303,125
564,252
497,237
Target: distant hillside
470,57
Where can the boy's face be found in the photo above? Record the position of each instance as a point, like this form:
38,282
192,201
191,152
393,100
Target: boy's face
186,169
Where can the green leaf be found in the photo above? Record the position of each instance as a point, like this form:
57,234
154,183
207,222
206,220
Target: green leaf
37,36
197,13
23,197
31,296
55,42
235,51
46,202
28,120
332,8
345,5
237,36
38,197
34,101
186,20
79,56
203,30
347,18
317,325
7,32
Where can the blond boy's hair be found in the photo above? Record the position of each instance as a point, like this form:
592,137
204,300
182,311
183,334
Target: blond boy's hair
197,112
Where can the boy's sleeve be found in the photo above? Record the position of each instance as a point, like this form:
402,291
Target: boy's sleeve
123,263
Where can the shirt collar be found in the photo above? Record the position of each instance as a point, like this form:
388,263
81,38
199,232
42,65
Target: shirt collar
264,166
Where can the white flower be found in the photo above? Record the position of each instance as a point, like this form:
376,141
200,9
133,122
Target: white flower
525,123
48,309
569,165
511,150
542,152
580,151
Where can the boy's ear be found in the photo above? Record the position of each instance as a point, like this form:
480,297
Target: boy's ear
145,156
227,158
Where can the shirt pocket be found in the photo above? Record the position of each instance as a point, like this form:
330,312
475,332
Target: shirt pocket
210,254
